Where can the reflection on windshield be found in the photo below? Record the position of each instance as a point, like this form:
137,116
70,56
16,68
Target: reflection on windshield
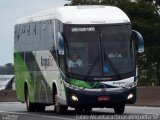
83,49
100,51
116,43
75,61
114,53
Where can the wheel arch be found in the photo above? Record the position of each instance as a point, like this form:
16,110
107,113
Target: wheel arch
25,89
54,90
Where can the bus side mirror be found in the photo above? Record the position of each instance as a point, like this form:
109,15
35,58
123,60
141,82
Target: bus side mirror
139,41
60,44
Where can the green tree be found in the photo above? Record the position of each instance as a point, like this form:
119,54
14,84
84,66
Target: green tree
146,21
95,2
7,69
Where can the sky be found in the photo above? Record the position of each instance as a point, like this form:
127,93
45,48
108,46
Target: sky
10,11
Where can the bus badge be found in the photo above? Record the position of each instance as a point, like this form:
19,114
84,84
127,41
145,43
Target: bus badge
104,90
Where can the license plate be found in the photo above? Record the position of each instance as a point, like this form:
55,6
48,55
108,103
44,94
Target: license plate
103,98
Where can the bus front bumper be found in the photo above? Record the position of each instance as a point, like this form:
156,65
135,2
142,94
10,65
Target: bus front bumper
84,98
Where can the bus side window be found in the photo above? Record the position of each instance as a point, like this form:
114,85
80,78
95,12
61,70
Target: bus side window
21,47
36,35
28,29
48,35
16,36
30,42
45,40
25,37
52,33
35,29
41,35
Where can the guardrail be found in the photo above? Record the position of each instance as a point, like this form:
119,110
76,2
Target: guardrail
146,96
8,96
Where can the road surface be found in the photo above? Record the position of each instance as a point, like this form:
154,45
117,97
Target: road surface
17,111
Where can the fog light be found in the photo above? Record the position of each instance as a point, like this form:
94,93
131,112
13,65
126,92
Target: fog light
130,96
74,98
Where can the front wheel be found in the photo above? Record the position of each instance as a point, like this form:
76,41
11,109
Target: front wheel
78,109
119,108
60,109
88,109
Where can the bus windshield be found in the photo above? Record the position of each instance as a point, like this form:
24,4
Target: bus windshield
99,51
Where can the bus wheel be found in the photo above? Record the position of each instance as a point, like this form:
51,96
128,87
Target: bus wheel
41,108
60,109
119,108
78,109
29,106
88,109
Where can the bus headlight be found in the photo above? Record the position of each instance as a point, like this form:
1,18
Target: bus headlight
130,96
74,98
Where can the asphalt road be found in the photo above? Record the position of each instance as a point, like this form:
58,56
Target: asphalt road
17,111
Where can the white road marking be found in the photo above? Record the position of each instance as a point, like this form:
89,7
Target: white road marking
44,116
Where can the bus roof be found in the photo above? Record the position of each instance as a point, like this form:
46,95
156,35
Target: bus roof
80,15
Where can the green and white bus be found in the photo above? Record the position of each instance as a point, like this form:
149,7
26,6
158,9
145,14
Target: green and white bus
46,43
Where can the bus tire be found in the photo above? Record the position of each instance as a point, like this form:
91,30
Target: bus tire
88,109
60,109
78,109
40,108
119,108
29,106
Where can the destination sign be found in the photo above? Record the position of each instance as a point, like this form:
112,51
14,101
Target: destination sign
83,29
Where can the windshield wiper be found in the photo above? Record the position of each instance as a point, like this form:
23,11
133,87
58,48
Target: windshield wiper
114,69
91,69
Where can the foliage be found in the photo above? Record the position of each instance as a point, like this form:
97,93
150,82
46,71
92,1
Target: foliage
7,69
146,20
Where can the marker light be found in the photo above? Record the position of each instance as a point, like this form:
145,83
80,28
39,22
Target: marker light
130,96
74,98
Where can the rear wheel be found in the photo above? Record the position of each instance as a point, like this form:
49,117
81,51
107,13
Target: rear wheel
40,107
119,108
29,106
